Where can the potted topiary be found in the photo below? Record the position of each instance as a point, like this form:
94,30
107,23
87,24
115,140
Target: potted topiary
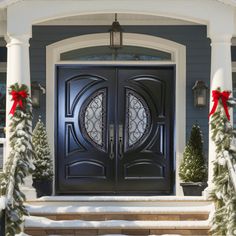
192,169
43,173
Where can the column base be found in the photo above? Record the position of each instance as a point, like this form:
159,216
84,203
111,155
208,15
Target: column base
207,192
28,189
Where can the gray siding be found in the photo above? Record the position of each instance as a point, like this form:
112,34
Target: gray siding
193,37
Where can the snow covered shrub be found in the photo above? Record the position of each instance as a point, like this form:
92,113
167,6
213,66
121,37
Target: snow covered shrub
42,161
192,167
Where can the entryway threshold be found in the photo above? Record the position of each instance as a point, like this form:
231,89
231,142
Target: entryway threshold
90,198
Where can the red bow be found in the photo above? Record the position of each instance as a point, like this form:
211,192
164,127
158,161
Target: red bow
18,97
216,94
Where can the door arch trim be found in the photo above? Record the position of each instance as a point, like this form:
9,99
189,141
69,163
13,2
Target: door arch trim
178,52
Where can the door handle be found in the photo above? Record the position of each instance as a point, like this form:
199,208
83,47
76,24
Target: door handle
121,141
112,134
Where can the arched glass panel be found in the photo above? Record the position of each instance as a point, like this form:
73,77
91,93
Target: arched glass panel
137,119
92,118
105,53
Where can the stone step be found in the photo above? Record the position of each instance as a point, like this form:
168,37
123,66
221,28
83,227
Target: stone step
43,226
73,212
120,201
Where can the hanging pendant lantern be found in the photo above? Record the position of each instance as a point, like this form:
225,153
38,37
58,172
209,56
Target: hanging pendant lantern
116,36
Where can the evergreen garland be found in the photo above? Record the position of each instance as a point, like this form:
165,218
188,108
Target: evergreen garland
42,161
223,194
18,164
192,167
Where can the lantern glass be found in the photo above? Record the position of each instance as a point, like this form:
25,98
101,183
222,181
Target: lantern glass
116,36
116,39
35,95
200,94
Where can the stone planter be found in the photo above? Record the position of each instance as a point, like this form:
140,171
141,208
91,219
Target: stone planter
43,187
193,189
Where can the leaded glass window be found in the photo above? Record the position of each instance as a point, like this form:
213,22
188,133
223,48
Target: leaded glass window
93,118
137,119
105,53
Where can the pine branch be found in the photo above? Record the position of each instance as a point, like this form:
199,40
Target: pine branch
18,164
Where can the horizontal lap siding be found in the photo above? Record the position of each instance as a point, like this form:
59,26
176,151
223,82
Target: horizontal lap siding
193,37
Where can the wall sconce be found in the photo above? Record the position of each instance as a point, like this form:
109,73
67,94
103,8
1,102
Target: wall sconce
200,93
116,35
36,90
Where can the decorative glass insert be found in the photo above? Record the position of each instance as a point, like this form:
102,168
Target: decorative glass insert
137,119
105,53
93,117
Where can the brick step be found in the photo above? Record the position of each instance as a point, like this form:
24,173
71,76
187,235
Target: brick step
147,217
43,226
118,215
128,232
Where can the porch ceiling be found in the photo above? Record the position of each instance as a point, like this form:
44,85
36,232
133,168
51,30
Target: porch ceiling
124,19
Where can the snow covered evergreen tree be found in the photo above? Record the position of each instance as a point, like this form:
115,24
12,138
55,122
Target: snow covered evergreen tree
43,162
223,194
192,167
19,162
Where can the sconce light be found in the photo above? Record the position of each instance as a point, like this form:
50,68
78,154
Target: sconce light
116,35
200,92
36,90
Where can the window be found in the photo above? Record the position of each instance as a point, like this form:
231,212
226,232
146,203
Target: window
105,53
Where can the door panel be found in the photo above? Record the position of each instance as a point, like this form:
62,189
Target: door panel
146,165
114,129
83,162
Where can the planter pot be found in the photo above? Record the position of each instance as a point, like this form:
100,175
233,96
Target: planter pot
43,187
193,189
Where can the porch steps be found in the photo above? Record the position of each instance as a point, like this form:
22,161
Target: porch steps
107,215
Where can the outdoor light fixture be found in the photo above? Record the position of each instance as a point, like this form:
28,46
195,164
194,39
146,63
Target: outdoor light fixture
36,90
200,91
116,35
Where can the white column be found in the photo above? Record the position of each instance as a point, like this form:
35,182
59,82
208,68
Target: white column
221,76
18,71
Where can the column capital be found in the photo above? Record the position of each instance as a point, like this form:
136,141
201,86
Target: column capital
18,39
222,39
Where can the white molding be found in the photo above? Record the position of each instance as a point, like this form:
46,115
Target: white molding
177,51
124,19
178,9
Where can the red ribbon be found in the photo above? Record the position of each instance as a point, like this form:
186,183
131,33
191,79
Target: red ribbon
224,96
18,97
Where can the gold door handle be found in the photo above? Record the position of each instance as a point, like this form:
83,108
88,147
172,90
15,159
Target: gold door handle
111,141
121,141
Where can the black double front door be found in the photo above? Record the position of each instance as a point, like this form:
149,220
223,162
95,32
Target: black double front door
114,130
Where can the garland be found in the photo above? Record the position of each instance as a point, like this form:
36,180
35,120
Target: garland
19,164
223,194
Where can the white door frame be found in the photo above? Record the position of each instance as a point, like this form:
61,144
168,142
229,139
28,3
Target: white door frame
178,54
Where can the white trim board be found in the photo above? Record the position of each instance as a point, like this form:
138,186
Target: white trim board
177,51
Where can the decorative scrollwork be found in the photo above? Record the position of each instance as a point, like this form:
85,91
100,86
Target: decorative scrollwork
137,119
93,119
